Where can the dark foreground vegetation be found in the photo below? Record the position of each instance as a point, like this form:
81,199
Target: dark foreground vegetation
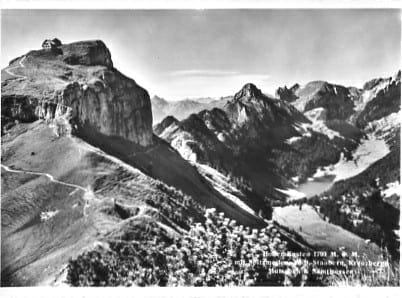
217,252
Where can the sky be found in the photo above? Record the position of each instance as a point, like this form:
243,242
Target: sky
179,54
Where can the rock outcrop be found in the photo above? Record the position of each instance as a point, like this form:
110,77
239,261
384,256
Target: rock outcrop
336,99
287,94
94,96
165,123
258,114
92,52
384,98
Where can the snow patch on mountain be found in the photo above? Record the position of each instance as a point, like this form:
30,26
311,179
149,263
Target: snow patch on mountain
393,188
368,152
321,128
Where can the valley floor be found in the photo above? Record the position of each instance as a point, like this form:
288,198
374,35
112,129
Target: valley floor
320,233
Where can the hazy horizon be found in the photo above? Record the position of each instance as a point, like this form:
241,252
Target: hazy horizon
178,54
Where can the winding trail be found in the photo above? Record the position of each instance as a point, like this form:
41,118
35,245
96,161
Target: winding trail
20,64
51,178
88,194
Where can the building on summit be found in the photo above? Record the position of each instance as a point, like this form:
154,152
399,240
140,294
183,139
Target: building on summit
50,44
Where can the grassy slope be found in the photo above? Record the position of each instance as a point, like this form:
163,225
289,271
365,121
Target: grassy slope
31,248
34,250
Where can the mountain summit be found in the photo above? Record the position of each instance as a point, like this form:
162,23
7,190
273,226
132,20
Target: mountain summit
76,87
250,106
248,92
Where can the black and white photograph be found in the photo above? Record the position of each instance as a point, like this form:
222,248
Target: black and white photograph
230,147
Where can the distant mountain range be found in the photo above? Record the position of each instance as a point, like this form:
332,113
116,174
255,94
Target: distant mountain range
181,109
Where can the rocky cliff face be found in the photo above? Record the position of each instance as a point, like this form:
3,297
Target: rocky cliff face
259,118
91,95
287,94
380,98
336,99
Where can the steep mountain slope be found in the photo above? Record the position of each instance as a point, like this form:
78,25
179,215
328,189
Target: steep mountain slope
254,113
336,99
45,222
380,98
237,141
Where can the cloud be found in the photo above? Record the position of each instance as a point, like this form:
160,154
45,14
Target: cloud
215,76
203,73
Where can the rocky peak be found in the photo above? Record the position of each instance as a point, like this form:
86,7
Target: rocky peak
257,112
165,123
287,94
91,52
382,97
159,101
216,120
94,98
248,92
